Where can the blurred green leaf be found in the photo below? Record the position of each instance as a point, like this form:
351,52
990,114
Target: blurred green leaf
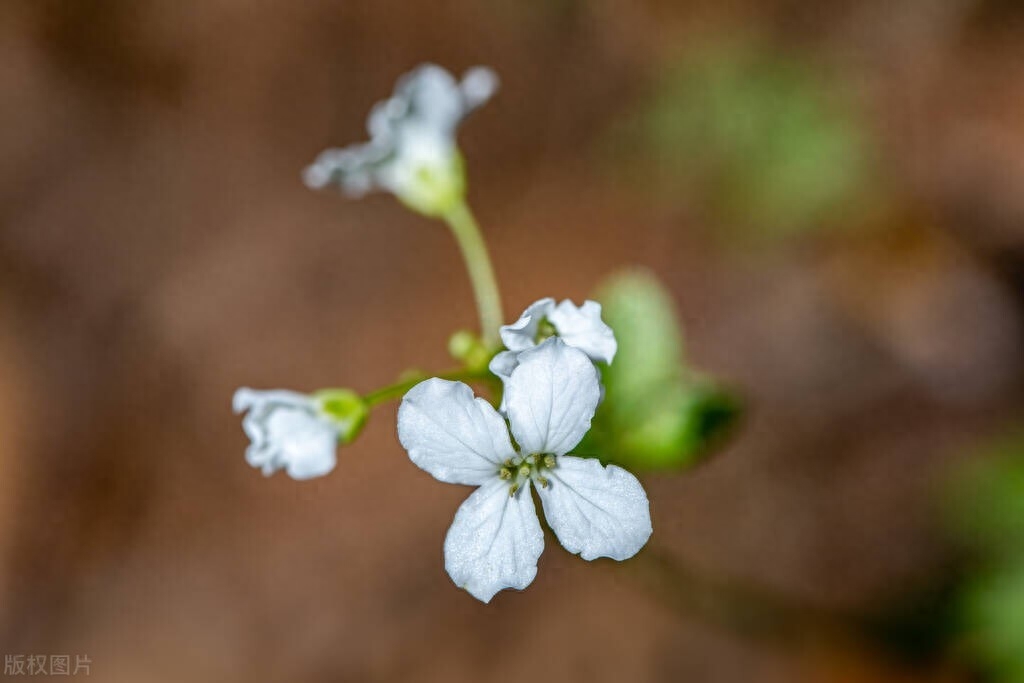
650,353
760,139
657,414
985,506
986,500
993,608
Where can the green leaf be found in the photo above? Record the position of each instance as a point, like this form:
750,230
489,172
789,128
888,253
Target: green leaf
650,353
986,499
657,413
985,503
993,611
765,145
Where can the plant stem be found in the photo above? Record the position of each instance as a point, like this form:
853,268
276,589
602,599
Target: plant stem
398,389
481,274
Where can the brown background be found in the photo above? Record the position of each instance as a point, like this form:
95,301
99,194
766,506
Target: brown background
158,250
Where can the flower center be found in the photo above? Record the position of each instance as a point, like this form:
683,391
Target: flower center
518,470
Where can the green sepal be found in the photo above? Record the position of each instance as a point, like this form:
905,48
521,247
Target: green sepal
346,409
437,190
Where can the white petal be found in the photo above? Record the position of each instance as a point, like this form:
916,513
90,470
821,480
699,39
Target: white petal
453,436
246,398
582,327
354,168
383,119
494,541
417,147
521,334
502,365
596,511
478,85
431,95
306,447
286,433
551,397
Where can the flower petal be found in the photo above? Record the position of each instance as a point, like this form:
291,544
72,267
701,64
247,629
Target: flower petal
521,334
478,85
596,511
582,327
430,94
551,397
502,366
287,433
353,169
453,436
494,541
306,447
246,398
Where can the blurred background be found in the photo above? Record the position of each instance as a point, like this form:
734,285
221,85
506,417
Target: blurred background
831,192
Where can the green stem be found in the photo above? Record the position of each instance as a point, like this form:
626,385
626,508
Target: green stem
398,389
481,273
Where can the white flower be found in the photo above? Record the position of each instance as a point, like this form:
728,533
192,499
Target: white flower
412,151
578,326
288,431
495,540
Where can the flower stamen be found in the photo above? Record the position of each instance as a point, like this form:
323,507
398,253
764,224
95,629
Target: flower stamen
521,469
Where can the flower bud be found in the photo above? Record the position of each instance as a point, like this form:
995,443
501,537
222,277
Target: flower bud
470,350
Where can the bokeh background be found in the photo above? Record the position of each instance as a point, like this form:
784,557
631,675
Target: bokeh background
832,192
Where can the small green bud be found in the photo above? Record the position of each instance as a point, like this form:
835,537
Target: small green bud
346,409
470,350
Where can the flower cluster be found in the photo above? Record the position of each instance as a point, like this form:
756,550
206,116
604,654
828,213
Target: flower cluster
551,385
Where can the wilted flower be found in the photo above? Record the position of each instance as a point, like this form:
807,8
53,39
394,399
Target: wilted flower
297,432
496,539
412,151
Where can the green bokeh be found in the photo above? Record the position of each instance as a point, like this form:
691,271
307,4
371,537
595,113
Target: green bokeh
986,513
763,143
